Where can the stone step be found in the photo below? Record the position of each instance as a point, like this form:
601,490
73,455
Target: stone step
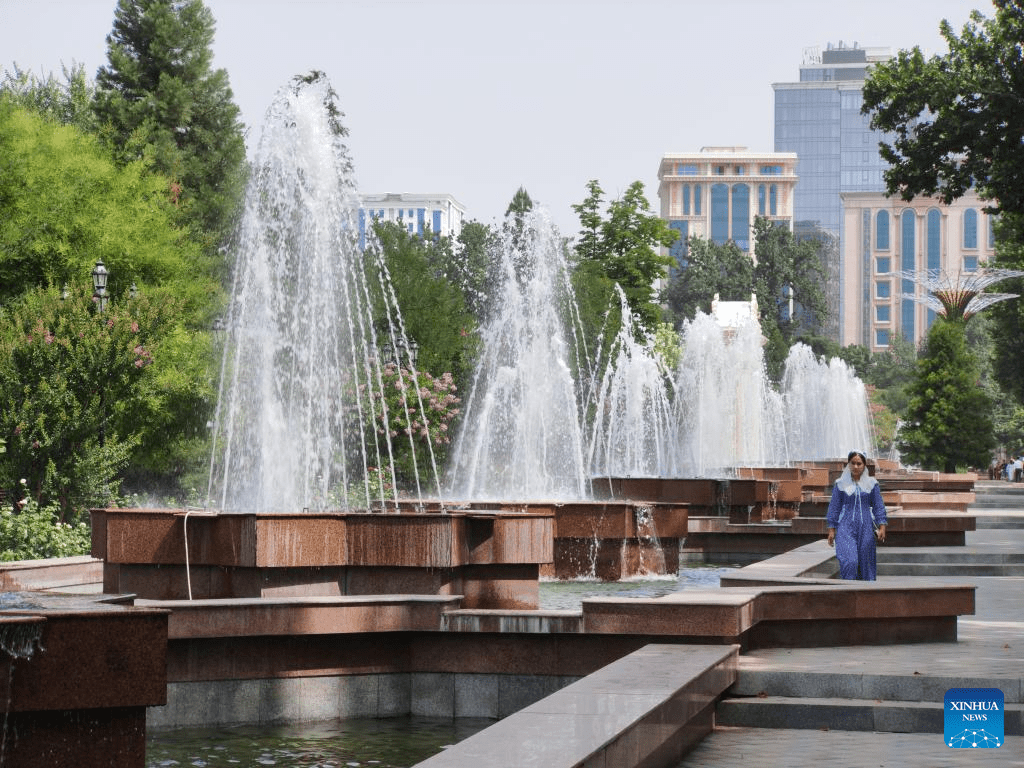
950,569
789,682
989,523
838,714
965,556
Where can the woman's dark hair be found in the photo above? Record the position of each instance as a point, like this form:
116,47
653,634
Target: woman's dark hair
851,454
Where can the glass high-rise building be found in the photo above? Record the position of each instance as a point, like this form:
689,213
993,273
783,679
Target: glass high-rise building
819,119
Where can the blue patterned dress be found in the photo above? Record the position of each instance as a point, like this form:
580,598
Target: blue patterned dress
854,512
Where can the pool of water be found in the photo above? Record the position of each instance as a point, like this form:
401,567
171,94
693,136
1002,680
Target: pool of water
394,742
568,595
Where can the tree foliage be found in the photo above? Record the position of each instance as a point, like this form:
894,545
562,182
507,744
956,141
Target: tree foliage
949,421
788,280
63,204
712,270
159,97
626,243
68,102
953,121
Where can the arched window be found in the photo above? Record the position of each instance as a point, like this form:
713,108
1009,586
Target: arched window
908,261
970,228
741,216
762,200
773,200
719,213
697,195
882,231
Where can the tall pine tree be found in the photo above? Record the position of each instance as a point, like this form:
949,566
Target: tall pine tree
949,418
160,97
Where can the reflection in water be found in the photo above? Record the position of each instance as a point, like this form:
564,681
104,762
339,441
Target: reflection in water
394,742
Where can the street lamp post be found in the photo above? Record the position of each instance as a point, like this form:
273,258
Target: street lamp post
99,285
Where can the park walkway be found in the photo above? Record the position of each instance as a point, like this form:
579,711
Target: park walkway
882,706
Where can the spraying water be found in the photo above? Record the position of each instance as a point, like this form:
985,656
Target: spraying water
826,407
300,368
521,436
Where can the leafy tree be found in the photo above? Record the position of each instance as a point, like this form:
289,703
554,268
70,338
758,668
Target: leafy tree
63,204
949,421
953,121
433,309
68,102
159,97
788,280
712,269
1008,316
471,267
626,242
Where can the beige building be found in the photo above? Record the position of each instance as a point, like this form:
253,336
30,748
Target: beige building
883,236
717,192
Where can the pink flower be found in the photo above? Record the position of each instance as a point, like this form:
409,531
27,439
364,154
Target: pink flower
135,327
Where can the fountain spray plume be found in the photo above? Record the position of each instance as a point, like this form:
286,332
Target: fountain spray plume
634,431
521,436
301,386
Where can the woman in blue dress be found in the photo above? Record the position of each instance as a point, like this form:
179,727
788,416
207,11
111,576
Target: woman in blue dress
856,518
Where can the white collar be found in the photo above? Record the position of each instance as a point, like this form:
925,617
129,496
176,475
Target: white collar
846,483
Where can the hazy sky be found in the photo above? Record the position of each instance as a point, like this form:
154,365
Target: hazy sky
478,97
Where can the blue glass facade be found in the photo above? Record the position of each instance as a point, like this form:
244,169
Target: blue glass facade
819,119
741,215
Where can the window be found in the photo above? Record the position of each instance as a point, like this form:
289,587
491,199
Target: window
686,200
882,314
882,265
719,170
771,170
678,249
762,202
719,214
882,231
881,337
773,200
934,239
697,190
908,261
686,170
883,290
970,228
739,170
970,263
741,216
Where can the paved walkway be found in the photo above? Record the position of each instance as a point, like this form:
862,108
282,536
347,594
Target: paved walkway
989,653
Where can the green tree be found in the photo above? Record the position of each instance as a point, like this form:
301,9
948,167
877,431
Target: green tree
712,270
952,122
63,204
949,417
471,266
433,310
626,242
788,280
68,102
159,97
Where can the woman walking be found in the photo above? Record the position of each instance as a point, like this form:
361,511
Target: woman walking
856,518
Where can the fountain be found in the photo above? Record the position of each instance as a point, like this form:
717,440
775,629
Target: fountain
301,372
521,436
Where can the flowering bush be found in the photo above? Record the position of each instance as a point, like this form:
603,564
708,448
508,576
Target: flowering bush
415,412
36,532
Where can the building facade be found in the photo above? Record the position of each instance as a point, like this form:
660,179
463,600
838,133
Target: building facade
819,119
883,236
440,214
716,194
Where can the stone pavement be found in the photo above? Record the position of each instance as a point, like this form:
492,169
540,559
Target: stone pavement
882,705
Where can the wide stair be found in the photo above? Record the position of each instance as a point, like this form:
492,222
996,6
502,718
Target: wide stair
784,696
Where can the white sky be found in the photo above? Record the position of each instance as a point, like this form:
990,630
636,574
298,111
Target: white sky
477,97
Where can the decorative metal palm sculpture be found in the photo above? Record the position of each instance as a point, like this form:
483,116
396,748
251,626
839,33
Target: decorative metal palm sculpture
960,295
